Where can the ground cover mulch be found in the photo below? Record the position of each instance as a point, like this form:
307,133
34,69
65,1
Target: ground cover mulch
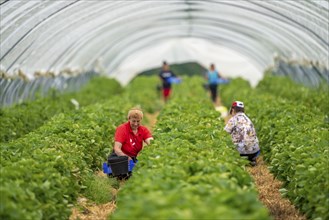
268,188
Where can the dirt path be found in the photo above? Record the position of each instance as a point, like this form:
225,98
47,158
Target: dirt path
85,210
152,118
268,187
92,212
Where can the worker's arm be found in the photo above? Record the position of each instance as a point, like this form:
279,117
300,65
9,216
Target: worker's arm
148,140
220,75
229,126
117,149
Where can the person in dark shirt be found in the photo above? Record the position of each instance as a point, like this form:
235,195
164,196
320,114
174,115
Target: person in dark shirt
166,75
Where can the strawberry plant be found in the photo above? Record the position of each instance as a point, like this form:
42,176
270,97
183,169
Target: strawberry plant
191,170
293,139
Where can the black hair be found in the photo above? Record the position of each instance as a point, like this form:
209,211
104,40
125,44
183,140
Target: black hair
238,109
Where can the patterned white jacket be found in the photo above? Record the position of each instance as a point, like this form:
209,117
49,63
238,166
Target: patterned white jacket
243,133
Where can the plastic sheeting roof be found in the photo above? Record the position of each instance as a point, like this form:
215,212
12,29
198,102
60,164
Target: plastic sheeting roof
123,38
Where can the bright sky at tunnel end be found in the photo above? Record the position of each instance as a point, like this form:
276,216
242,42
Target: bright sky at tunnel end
229,62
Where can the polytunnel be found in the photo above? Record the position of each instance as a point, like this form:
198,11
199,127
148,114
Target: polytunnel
85,117
61,44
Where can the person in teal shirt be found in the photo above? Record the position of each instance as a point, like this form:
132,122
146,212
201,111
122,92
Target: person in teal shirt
213,77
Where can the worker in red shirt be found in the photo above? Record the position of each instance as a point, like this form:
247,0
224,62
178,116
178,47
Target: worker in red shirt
129,136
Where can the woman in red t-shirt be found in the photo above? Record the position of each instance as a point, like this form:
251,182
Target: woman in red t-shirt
129,136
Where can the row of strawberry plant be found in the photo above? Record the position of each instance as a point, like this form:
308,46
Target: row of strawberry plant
43,172
191,170
294,139
286,88
142,92
23,118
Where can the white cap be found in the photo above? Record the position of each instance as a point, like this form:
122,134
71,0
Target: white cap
238,104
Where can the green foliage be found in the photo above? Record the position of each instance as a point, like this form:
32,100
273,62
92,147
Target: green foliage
142,92
21,119
43,172
52,163
285,87
191,170
99,189
293,136
236,90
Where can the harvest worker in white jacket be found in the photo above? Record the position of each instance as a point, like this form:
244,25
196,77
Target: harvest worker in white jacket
243,133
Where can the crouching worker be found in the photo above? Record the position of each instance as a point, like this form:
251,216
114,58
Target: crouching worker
243,133
129,136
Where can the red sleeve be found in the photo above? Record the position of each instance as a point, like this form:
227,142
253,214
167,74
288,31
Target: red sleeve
146,133
120,134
